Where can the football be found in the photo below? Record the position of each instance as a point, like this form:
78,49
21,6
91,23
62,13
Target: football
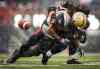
23,24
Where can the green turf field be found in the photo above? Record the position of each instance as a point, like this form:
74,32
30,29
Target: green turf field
56,62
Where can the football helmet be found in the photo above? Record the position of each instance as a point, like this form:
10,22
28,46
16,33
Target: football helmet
79,20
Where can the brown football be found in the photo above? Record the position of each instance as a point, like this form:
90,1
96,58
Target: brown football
24,24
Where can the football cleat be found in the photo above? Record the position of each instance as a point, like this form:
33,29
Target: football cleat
73,61
45,59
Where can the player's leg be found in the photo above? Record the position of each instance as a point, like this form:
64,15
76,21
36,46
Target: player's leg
25,48
16,54
45,44
57,47
33,51
74,52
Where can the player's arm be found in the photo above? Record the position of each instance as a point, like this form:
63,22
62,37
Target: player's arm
52,25
52,31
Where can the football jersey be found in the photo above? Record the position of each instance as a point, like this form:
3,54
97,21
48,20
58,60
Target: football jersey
62,22
63,19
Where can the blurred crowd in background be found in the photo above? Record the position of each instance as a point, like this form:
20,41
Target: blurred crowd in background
10,37
9,8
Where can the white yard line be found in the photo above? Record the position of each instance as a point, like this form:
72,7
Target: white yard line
89,63
92,63
28,65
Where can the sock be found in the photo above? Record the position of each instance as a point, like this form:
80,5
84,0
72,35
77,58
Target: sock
49,53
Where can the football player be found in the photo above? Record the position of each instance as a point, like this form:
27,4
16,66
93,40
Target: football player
35,45
71,35
77,33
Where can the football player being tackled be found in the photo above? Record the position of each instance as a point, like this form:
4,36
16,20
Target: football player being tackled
70,35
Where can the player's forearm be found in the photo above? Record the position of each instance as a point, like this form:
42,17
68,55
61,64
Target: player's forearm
52,32
56,36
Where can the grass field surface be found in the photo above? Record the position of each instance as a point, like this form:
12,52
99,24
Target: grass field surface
56,62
